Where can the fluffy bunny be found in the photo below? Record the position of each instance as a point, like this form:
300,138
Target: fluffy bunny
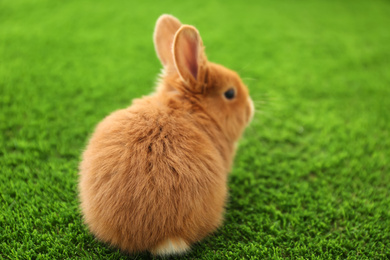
153,176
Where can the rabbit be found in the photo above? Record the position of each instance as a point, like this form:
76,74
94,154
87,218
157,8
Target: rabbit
153,176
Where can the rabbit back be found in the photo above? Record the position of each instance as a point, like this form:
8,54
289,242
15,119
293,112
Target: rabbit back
149,174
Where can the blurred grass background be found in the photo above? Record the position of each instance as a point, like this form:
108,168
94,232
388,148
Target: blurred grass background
311,177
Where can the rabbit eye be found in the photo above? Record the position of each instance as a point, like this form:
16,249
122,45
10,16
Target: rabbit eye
230,94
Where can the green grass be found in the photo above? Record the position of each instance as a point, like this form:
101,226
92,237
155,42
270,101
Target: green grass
311,178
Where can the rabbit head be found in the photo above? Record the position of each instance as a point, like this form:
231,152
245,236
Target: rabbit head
219,91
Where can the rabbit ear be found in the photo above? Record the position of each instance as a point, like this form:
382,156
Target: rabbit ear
188,55
164,33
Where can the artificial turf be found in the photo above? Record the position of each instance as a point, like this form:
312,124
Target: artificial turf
311,178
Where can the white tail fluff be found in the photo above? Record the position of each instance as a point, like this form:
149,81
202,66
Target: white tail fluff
171,247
